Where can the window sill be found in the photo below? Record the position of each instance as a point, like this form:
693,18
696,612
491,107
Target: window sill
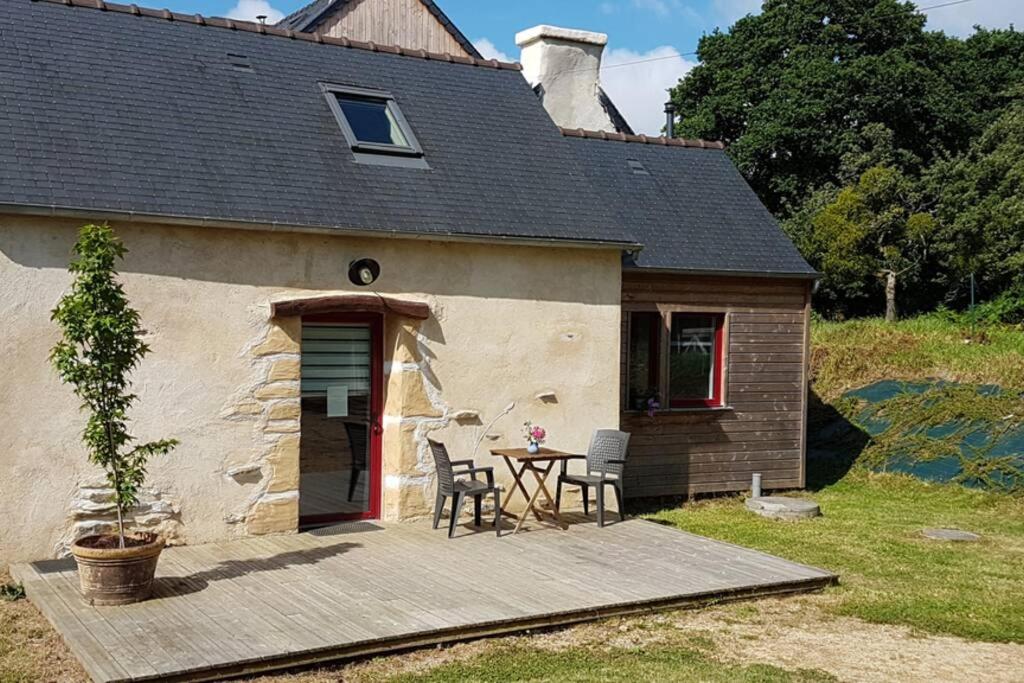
694,409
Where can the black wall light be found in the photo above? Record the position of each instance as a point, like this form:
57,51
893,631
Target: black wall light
363,272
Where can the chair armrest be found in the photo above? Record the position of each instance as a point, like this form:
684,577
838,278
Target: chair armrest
462,462
616,462
488,472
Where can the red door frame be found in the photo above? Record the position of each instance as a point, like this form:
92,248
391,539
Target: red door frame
375,321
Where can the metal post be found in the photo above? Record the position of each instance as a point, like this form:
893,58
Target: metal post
670,119
755,486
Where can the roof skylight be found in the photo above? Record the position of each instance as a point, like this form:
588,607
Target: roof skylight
372,122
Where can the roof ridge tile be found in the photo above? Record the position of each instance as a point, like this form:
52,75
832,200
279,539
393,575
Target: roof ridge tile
641,139
263,29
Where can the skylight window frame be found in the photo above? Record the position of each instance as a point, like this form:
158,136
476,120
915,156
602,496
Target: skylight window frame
333,91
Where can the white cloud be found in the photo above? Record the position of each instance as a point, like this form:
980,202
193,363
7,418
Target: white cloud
248,10
959,20
490,51
640,90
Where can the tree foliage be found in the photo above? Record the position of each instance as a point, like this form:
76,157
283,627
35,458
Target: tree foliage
101,345
980,204
819,100
875,228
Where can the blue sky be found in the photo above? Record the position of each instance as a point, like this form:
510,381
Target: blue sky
662,31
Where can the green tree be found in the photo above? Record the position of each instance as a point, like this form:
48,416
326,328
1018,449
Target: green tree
980,206
876,229
793,89
101,345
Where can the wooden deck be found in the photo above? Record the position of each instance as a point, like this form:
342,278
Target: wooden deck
267,603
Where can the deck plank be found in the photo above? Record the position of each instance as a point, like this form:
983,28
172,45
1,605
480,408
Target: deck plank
260,604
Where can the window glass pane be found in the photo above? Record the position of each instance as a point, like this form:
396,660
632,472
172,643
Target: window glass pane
644,331
371,121
692,357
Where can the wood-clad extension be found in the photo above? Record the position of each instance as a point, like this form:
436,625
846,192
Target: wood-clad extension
761,427
407,23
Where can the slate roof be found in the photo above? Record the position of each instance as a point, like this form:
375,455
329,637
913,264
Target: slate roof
111,112
308,18
150,114
687,204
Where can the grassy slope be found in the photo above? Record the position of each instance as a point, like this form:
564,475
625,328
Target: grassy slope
853,354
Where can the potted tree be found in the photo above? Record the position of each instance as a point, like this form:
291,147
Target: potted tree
100,346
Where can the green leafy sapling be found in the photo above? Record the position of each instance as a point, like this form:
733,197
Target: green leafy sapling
101,345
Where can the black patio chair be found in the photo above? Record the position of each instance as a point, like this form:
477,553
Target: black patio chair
606,458
448,486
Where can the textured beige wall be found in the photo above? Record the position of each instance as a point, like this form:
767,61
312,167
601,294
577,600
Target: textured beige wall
508,323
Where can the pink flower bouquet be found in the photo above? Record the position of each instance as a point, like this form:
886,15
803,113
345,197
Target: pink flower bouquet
535,434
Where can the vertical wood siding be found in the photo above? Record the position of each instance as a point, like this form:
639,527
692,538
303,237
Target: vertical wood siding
762,428
407,23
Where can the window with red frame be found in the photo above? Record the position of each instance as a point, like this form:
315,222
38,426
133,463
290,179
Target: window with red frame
695,360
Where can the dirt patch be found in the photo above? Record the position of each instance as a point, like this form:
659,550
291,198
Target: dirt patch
798,633
110,542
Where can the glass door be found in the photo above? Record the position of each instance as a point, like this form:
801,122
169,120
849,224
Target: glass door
339,452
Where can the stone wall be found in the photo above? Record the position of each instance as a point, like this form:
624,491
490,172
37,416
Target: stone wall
508,323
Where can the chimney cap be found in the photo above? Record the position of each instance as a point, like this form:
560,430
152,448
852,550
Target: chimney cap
568,35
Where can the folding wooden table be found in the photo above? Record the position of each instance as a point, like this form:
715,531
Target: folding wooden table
540,465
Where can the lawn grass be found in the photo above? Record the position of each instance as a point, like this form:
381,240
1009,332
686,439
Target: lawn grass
890,574
853,354
504,664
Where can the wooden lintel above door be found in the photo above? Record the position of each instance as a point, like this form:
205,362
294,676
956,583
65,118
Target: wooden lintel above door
350,303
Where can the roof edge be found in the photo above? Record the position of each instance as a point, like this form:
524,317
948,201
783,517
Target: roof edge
263,29
53,211
766,274
623,137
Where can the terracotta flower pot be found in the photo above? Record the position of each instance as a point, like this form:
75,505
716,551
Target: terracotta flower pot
110,575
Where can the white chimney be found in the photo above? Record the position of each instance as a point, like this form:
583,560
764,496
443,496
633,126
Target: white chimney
566,64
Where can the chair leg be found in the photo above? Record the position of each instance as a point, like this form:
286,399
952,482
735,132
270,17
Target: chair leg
457,500
600,505
497,512
438,508
586,498
558,494
478,501
618,500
